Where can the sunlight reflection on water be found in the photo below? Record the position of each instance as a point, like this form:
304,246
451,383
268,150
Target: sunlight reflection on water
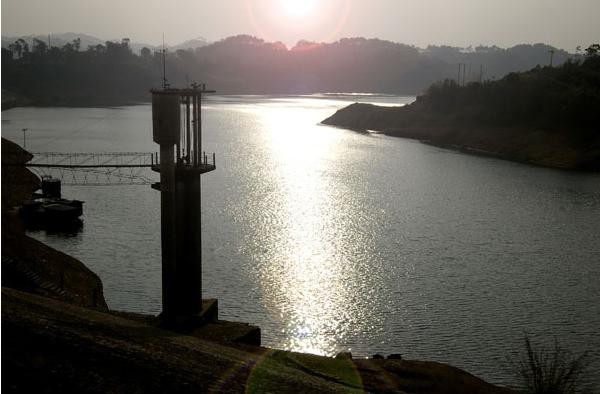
305,279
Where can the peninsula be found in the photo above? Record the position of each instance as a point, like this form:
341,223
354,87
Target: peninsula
547,116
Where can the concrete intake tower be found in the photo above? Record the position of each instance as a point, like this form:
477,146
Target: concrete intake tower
177,128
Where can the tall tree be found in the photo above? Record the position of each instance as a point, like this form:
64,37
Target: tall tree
39,47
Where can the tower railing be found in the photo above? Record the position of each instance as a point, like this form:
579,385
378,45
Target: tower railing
206,162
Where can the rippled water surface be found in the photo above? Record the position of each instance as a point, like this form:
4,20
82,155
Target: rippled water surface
331,240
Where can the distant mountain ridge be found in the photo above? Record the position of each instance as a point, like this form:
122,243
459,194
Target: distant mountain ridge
194,43
87,40
54,39
494,62
523,54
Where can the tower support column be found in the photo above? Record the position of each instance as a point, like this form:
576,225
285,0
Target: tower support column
167,234
189,241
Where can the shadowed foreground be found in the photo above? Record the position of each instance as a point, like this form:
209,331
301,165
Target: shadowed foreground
52,346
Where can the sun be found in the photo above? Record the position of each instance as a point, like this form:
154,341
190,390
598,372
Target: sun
298,8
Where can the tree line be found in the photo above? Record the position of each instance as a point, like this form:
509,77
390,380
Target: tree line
55,74
241,65
566,97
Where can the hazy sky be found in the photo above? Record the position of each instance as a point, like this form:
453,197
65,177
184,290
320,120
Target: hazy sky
562,23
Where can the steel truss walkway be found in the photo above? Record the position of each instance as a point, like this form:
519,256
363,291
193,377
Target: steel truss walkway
100,169
93,169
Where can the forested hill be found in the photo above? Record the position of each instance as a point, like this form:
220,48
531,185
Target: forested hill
546,116
245,64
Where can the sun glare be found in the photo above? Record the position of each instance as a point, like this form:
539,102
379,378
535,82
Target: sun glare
298,8
292,20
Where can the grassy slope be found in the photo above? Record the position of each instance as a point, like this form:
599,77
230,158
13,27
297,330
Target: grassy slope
56,347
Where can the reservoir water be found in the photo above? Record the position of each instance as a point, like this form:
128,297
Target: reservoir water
332,240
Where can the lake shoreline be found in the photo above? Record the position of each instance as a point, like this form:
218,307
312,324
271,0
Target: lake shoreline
495,155
14,100
517,144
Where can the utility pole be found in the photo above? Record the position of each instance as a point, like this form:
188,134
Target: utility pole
551,51
480,73
462,66
24,139
470,72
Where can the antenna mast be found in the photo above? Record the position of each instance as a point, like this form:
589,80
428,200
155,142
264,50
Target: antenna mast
164,59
